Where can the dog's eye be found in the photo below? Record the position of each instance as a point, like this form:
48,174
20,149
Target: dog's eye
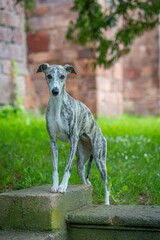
61,76
49,76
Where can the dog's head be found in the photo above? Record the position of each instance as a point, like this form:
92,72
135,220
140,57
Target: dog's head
56,76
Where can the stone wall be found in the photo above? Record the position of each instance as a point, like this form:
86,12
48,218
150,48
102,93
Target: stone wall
47,42
132,85
14,78
110,90
141,87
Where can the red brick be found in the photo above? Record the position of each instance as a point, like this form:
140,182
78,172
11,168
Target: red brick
38,42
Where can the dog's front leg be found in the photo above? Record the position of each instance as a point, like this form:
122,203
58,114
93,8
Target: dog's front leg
73,147
55,176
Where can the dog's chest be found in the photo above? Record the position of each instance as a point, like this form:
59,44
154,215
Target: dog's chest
57,126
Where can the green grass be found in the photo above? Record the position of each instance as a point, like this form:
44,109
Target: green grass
133,157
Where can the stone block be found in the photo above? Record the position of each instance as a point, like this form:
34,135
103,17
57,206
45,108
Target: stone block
12,51
61,21
86,53
16,52
42,57
9,19
115,222
38,209
17,36
132,73
39,23
69,54
5,34
84,67
25,235
58,39
7,86
4,50
8,5
40,10
31,100
6,67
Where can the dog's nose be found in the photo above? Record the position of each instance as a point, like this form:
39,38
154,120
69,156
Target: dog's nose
55,91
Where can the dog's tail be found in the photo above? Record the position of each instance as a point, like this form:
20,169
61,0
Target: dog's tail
89,166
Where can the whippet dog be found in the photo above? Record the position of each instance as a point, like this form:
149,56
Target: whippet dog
71,121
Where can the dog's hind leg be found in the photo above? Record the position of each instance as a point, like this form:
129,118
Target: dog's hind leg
83,154
100,159
88,169
103,171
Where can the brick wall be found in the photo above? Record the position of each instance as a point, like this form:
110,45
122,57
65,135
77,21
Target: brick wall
132,85
141,89
13,67
110,90
46,40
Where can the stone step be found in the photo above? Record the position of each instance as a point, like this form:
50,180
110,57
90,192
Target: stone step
114,222
26,235
37,208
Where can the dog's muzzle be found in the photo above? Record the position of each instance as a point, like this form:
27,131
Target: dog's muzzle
55,91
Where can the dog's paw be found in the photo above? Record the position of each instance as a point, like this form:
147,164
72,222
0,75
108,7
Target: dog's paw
54,189
88,182
62,189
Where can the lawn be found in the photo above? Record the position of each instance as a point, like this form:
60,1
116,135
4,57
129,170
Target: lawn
133,157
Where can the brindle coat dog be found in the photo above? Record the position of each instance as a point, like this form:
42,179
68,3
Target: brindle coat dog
71,121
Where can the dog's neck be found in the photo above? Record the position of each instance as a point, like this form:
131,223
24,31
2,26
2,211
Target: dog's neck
56,102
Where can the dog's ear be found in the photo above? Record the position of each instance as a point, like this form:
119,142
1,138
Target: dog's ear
70,69
42,67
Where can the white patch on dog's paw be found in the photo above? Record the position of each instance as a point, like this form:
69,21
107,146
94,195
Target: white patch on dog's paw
107,198
54,189
62,189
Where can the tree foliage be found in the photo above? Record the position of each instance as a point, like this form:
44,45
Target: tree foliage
28,4
111,30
